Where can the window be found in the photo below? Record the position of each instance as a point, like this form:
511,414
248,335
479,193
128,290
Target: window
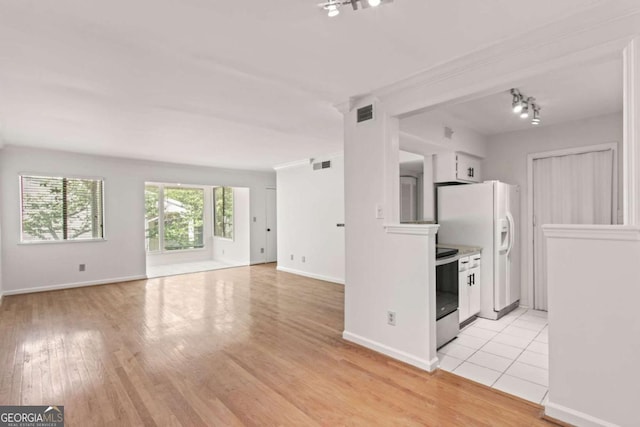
179,225
223,212
55,208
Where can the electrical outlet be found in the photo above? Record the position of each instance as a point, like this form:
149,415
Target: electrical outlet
82,267
261,250
304,259
391,318
291,257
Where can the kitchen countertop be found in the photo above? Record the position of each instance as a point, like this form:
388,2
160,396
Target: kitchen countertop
462,250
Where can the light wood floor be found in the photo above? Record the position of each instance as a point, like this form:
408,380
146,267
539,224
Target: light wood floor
243,346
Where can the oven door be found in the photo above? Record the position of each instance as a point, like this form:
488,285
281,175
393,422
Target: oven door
446,287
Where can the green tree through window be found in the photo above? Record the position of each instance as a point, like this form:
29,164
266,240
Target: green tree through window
56,208
183,218
180,223
223,215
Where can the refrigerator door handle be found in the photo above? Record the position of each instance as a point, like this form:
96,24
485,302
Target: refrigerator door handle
511,231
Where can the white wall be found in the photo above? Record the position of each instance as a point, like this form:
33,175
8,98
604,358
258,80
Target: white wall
594,329
310,204
28,267
429,128
384,271
236,250
507,161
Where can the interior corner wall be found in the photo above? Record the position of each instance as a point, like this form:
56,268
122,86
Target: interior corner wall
310,205
236,251
507,161
121,256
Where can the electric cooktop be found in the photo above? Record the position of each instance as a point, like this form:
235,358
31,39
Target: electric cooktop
445,252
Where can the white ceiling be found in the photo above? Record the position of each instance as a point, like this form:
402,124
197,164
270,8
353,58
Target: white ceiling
244,84
590,90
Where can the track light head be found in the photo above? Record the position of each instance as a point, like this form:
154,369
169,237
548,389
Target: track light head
516,104
332,8
536,115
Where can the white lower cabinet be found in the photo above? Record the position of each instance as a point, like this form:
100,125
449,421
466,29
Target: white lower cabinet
469,279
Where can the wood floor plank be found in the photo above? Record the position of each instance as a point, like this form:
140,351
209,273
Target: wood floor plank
241,346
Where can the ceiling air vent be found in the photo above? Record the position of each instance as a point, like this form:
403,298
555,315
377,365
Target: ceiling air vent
322,165
365,113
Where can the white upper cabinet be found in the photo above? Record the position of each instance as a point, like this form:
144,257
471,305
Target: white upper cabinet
457,167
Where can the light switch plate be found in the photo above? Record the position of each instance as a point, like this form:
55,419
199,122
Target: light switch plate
379,212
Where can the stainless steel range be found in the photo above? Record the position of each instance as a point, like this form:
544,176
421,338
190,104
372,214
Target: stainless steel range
447,319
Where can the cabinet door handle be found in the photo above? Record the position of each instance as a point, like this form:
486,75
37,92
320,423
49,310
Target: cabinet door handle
473,279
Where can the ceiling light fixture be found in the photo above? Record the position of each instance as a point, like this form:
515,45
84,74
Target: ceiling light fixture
333,6
522,105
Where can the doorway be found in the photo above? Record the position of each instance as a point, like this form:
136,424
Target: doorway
577,186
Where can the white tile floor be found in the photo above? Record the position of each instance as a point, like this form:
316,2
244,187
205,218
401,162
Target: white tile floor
510,354
186,267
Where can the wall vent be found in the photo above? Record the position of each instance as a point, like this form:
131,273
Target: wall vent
322,165
365,113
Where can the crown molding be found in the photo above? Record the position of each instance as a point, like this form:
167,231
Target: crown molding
295,163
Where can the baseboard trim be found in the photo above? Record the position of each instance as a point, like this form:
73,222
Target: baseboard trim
427,365
75,285
571,416
311,275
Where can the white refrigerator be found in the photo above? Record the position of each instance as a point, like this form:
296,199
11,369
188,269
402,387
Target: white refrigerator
486,215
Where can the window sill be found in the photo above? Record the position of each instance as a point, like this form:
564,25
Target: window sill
226,239
58,242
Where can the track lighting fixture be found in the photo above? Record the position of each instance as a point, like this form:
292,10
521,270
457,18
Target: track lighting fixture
522,106
333,6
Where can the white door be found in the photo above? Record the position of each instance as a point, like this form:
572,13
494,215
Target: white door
272,248
408,198
568,189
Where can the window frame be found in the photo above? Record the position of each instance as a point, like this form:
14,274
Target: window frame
233,221
161,214
56,175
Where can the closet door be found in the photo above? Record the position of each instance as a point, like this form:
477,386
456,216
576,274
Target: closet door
568,189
